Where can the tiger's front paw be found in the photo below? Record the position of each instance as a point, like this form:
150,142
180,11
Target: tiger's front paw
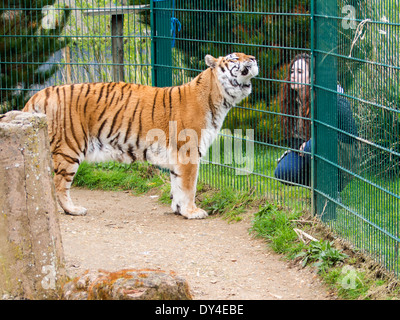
196,213
76,211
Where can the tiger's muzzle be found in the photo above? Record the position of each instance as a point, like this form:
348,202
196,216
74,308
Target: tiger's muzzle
250,68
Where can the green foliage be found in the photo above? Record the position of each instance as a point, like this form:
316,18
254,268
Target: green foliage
351,284
276,226
228,202
138,177
29,35
323,254
371,78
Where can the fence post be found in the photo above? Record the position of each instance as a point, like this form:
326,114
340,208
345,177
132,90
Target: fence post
117,30
117,33
325,111
312,102
161,43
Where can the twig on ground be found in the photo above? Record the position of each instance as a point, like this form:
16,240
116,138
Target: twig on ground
301,234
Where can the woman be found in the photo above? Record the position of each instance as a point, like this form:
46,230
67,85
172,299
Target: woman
295,167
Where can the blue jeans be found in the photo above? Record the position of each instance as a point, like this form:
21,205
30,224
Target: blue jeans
295,167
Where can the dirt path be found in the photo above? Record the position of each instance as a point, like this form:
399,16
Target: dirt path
220,261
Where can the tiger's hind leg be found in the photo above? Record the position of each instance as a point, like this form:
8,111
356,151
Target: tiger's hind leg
183,191
65,170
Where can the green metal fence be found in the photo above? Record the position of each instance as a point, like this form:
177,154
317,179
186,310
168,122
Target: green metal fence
347,107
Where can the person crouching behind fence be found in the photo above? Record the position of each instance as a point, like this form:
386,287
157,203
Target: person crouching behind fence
295,167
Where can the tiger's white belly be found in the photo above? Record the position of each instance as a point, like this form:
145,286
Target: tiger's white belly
155,150
103,152
154,153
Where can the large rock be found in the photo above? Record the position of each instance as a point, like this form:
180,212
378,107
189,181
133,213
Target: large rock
128,284
31,252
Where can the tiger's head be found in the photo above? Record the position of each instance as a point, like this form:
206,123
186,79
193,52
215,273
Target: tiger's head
234,73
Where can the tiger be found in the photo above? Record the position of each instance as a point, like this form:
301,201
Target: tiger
126,122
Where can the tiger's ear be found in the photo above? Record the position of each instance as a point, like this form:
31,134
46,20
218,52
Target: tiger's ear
210,61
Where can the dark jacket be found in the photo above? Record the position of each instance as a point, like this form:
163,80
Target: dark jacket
345,122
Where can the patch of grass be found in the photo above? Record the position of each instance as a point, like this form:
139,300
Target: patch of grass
323,254
276,225
143,177
349,275
230,203
352,282
137,177
349,283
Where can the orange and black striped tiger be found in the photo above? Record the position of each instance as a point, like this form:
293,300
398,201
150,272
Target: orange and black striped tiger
171,127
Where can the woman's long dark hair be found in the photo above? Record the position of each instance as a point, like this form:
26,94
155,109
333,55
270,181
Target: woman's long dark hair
289,104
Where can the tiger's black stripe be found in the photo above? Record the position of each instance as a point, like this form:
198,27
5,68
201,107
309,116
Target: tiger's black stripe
46,100
64,172
101,129
108,92
102,114
88,89
131,153
129,98
112,98
113,123
100,94
128,131
163,99
170,100
140,128
123,93
227,104
114,141
199,78
67,139
67,158
213,110
71,119
154,105
85,106
85,136
174,174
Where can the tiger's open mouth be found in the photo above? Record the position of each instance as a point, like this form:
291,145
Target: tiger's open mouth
250,68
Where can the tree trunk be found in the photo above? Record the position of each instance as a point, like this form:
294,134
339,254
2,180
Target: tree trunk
31,252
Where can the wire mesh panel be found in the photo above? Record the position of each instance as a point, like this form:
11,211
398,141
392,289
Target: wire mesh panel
367,58
54,42
246,152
